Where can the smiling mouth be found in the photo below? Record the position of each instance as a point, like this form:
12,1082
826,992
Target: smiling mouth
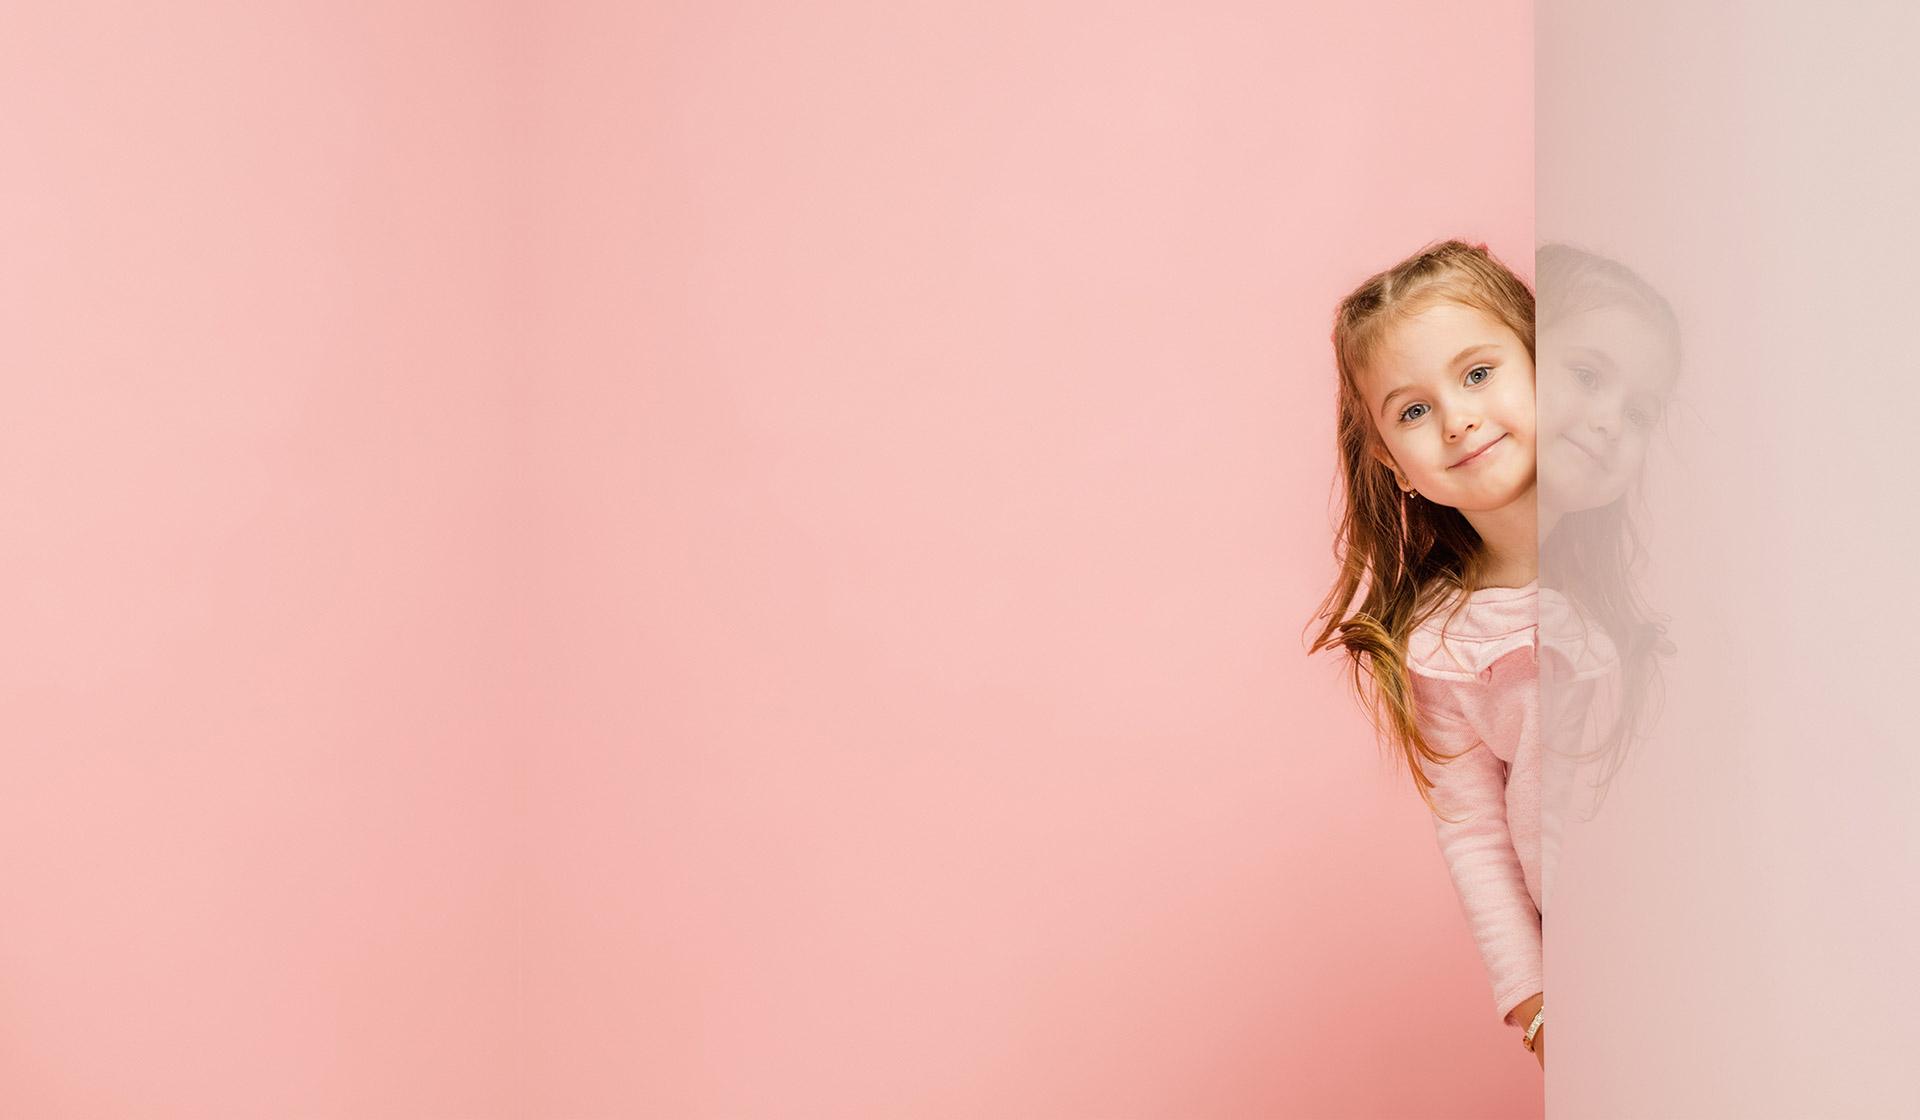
1589,454
1483,450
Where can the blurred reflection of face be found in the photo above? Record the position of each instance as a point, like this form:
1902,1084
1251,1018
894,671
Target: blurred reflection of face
1604,376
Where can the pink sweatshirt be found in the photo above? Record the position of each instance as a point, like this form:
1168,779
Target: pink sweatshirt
1476,689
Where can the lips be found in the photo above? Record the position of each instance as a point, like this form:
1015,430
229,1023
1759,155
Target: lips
1588,452
1482,451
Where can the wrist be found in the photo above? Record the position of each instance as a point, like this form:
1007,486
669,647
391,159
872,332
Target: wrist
1522,1014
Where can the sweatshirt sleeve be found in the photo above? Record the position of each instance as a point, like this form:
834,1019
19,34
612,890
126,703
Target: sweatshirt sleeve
1479,850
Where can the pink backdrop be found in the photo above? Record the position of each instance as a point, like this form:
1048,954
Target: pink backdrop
706,560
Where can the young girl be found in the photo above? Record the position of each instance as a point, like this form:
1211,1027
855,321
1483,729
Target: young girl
1436,431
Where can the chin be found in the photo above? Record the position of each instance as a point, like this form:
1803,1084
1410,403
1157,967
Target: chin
1571,483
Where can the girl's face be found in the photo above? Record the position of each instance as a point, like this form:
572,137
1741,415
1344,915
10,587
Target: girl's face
1605,376
1451,395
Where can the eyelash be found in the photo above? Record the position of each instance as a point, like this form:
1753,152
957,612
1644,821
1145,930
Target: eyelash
1417,404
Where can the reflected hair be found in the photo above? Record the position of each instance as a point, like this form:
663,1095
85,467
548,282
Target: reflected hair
1595,555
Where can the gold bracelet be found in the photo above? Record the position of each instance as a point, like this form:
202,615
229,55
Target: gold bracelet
1533,1028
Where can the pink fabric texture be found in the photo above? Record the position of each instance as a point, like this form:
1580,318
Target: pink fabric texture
1476,688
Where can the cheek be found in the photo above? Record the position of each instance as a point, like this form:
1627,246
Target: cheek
1525,411
1406,452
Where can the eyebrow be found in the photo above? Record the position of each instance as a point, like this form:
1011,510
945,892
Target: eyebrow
1599,357
1457,359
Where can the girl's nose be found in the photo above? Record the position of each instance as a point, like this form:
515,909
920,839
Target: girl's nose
1608,413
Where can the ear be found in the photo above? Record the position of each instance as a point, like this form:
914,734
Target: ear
1380,453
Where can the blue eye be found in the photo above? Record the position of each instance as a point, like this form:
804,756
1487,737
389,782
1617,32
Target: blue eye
1586,376
1477,369
1403,415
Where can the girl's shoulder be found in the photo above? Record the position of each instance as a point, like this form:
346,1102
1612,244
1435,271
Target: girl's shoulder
1465,634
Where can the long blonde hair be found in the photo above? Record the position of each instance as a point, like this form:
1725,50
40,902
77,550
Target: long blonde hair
1412,555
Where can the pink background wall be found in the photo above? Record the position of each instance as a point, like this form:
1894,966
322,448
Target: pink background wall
257,797
702,560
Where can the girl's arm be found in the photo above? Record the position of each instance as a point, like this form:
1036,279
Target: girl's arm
1479,852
